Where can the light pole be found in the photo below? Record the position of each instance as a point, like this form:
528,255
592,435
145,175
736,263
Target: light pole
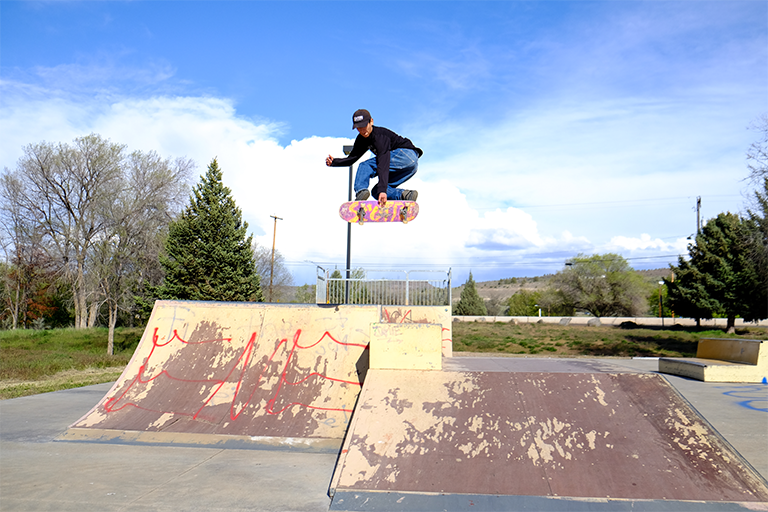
347,151
660,306
272,266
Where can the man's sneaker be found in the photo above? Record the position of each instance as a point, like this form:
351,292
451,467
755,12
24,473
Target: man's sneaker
410,195
362,195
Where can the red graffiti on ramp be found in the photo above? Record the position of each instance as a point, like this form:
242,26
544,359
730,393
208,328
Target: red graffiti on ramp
214,383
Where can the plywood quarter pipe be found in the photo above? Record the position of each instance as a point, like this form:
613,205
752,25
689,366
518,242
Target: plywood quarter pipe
239,369
589,436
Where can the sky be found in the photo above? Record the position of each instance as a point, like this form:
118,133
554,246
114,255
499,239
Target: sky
549,128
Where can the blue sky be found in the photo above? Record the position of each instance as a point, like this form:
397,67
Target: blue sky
548,128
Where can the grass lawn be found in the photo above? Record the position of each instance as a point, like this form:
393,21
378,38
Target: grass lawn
34,362
582,340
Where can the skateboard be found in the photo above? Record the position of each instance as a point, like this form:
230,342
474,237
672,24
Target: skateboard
369,211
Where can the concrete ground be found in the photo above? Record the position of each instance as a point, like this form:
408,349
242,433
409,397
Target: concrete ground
38,473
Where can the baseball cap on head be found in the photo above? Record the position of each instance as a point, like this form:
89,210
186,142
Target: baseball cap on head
360,118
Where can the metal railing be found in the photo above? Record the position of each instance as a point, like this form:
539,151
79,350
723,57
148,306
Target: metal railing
384,287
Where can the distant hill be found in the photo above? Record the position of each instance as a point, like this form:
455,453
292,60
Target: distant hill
500,290
656,273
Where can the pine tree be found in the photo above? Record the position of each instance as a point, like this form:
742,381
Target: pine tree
470,302
719,279
209,256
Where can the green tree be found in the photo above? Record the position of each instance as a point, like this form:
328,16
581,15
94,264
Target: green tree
551,301
92,209
470,303
63,190
653,302
496,305
336,288
119,260
209,254
523,303
719,279
603,285
756,241
305,294
756,245
528,303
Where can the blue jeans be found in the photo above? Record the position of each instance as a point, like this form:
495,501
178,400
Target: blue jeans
403,163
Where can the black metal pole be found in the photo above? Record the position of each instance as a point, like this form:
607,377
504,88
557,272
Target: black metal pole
349,244
347,151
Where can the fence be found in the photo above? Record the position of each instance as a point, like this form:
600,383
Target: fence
384,287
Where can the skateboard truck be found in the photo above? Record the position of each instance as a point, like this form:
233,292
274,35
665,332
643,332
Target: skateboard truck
361,215
404,214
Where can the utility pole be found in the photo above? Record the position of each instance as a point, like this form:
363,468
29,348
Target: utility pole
272,267
698,215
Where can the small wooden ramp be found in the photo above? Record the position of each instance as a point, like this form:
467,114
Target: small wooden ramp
236,374
434,440
722,360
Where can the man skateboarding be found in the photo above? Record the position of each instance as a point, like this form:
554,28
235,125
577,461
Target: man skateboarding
395,162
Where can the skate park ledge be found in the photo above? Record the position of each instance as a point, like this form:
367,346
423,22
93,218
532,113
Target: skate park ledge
722,360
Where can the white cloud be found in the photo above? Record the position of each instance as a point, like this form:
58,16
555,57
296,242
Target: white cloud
512,229
104,75
292,182
623,244
554,154
515,231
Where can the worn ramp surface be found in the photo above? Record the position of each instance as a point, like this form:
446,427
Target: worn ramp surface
244,371
588,436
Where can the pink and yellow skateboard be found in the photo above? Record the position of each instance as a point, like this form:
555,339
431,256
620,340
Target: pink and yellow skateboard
370,211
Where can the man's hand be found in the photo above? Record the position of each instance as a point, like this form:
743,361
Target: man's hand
382,199
329,160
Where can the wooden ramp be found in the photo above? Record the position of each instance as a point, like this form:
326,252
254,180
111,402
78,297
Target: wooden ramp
244,374
722,360
427,440
233,374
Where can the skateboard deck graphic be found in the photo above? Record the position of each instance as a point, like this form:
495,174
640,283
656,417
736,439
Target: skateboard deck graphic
369,211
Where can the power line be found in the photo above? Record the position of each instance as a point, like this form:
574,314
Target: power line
600,204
